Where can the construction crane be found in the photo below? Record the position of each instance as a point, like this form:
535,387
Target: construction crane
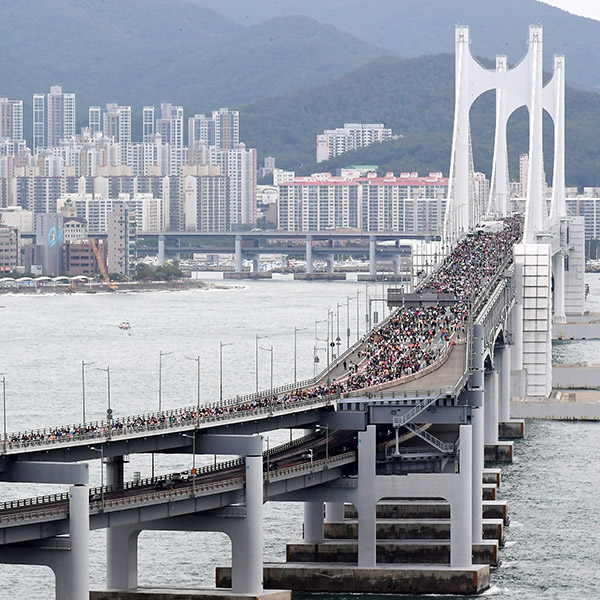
111,286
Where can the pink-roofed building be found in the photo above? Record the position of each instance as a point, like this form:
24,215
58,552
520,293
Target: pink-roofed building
407,203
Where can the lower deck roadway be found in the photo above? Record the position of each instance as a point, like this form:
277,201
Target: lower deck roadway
134,505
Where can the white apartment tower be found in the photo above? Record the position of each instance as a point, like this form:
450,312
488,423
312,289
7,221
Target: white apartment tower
148,125
11,119
116,124
333,142
60,122
39,121
94,120
221,130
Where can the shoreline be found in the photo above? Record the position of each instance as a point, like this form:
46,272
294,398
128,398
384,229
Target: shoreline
125,286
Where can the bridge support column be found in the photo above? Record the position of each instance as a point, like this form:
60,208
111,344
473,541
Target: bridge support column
334,512
504,397
115,471
74,582
309,258
247,543
461,547
313,522
122,557
367,500
161,250
478,437
558,268
330,263
372,256
121,542
255,264
516,330
491,407
238,254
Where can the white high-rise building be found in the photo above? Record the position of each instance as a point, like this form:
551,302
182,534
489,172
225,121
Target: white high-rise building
239,164
60,116
116,124
94,120
221,130
39,121
11,119
148,124
333,142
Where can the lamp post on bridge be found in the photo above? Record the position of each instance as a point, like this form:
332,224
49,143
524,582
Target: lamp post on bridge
256,338
108,408
161,354
338,340
296,330
197,360
83,366
271,394
221,346
4,434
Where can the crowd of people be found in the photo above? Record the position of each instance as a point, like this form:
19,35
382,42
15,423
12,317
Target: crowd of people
414,338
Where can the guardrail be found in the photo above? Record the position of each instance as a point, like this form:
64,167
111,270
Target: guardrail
264,403
60,502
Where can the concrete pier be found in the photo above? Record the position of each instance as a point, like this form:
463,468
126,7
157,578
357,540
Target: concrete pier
389,551
248,275
386,579
185,594
511,430
312,276
502,452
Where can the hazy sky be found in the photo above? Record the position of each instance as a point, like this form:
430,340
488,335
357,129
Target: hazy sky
585,8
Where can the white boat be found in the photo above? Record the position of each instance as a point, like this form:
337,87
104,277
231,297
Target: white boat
124,325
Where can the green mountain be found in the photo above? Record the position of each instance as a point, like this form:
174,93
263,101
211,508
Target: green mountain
414,97
150,51
412,28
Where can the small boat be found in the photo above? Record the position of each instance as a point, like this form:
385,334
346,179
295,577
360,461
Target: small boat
124,325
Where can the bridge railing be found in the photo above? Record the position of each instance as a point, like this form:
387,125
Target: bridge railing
54,505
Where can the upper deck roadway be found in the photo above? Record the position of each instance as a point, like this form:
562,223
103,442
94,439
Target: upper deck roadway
320,400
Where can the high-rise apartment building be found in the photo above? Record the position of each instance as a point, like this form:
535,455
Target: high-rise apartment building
39,121
116,125
333,142
60,121
148,125
11,119
239,164
94,120
221,130
121,239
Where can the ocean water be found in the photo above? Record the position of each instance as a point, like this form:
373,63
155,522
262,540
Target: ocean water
552,487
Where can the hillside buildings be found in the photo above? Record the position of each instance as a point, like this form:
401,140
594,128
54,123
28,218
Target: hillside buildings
333,142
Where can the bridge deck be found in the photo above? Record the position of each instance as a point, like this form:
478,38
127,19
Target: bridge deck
448,375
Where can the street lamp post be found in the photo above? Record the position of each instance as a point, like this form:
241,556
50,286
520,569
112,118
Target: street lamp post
338,340
197,360
4,440
221,346
160,355
357,315
256,338
296,330
326,428
193,438
83,366
108,408
271,351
